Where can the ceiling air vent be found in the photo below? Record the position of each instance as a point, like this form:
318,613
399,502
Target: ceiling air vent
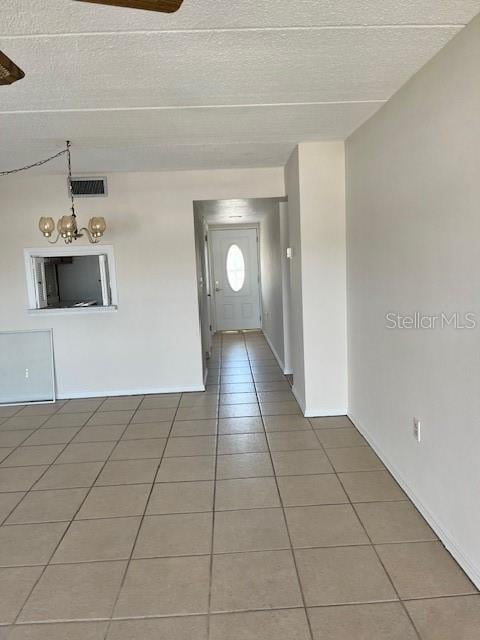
89,187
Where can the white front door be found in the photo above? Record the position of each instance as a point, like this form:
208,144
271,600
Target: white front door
236,279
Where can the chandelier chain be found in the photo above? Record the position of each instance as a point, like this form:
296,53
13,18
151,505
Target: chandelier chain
36,164
70,186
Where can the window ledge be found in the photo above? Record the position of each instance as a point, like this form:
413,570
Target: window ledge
72,310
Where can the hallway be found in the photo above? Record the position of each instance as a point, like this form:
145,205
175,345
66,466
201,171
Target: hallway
217,516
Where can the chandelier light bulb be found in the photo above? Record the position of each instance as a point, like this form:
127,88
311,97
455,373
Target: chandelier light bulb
46,226
97,226
67,226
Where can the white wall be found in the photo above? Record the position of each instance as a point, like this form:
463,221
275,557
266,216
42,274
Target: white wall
292,187
315,183
322,193
413,245
286,287
153,342
271,282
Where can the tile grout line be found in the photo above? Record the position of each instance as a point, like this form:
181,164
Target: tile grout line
67,528
41,426
387,573
33,432
24,466
300,586
142,518
239,553
202,615
123,484
210,575
79,429
118,440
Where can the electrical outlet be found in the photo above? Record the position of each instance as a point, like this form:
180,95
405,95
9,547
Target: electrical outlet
417,429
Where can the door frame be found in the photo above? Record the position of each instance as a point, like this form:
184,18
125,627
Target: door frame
213,301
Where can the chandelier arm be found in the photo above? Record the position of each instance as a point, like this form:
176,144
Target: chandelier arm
91,239
56,239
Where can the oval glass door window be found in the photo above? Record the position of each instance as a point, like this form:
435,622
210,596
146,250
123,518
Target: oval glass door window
235,268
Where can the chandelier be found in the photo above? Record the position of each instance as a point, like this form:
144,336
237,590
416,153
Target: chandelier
67,227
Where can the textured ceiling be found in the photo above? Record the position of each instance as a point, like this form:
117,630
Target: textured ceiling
217,84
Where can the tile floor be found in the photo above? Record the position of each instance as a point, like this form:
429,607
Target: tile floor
222,515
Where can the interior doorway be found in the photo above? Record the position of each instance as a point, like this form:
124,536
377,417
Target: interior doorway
236,279
243,273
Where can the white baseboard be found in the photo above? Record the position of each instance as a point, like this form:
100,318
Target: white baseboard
326,412
70,395
27,402
277,357
472,571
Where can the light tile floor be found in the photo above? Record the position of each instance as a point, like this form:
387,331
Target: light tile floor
222,515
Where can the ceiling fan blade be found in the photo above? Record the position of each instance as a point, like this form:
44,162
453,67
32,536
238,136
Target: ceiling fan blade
9,72
166,6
